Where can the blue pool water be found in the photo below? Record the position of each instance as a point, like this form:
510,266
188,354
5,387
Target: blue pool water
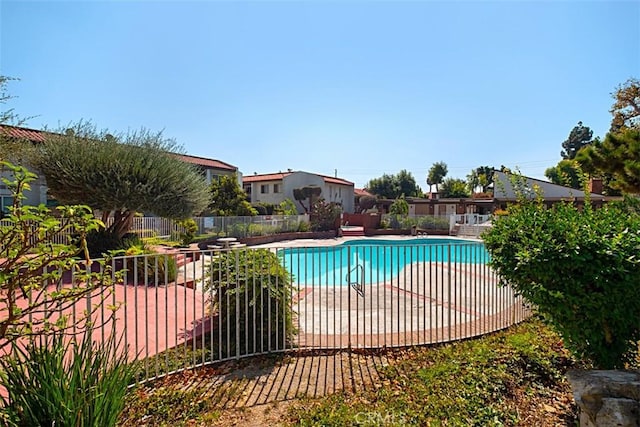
373,261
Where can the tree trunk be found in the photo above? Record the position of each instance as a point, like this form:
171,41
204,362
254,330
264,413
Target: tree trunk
122,221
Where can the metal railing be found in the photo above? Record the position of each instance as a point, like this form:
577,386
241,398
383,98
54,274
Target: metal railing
425,222
228,226
193,308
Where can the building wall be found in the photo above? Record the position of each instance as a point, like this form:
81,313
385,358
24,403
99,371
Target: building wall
273,195
299,180
331,192
35,196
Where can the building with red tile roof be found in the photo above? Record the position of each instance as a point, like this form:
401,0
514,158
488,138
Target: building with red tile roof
273,188
210,168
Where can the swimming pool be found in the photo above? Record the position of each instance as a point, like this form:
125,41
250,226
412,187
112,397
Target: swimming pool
370,261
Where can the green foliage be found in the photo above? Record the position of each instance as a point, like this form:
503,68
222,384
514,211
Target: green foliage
251,294
405,222
228,198
394,186
490,381
323,215
51,381
304,226
190,229
436,174
452,188
579,137
618,156
481,176
286,207
399,207
120,173
567,173
31,267
580,268
626,108
144,266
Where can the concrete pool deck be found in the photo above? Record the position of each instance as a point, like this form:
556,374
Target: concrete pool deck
427,302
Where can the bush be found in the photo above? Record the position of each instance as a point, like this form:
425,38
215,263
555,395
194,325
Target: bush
145,266
252,296
51,382
580,268
399,207
324,215
303,226
190,228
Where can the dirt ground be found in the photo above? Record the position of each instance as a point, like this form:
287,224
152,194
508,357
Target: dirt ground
257,392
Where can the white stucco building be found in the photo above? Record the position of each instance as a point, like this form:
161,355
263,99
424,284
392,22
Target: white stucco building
273,188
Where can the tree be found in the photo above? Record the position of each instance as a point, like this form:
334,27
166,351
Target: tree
481,176
390,186
626,108
384,187
436,174
310,192
8,116
567,173
32,294
579,268
120,174
10,148
579,137
366,202
618,156
228,199
399,207
406,184
453,187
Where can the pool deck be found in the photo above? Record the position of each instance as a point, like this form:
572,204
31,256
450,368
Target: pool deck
425,303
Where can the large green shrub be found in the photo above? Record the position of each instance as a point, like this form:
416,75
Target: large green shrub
52,382
580,268
252,294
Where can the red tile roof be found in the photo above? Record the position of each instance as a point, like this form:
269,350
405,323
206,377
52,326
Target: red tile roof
39,136
361,192
209,163
265,177
334,180
22,133
280,175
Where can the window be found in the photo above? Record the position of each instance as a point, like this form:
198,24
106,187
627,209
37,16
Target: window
264,189
5,203
276,188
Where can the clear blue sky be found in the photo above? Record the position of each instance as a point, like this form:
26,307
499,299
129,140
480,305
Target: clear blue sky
363,87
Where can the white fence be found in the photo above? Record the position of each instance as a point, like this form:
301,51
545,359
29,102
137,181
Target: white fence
229,226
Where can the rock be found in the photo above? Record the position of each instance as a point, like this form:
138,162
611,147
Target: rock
607,398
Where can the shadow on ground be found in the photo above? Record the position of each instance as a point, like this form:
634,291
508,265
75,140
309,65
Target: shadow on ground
264,380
